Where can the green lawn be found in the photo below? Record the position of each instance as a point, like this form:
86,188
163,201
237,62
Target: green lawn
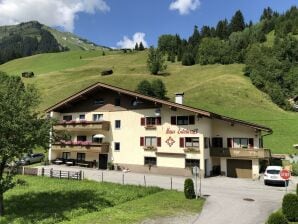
45,200
219,88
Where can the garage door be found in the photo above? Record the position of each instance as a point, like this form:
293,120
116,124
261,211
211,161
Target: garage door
239,168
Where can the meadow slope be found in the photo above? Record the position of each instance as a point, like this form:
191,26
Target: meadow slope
219,88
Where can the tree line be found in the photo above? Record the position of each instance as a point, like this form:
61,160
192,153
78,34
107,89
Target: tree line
272,69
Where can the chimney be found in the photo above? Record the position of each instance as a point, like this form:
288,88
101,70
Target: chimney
179,98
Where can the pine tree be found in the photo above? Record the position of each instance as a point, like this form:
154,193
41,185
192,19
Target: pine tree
222,29
155,61
237,22
136,47
141,46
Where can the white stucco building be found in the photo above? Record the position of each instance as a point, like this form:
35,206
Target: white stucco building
103,123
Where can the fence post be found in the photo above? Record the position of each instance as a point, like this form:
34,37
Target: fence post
123,178
23,170
68,175
51,172
171,183
60,174
42,171
145,180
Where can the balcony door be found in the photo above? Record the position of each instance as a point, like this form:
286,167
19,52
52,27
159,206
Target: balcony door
103,161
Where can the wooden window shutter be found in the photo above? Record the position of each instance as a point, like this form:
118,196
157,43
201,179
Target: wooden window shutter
142,121
251,142
158,120
191,119
141,141
173,120
181,142
158,141
230,142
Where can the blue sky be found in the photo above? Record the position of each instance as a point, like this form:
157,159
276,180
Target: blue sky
107,22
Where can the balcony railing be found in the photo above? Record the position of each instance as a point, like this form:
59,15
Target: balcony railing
240,153
82,146
82,125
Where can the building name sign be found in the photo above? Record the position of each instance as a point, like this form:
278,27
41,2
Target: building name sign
182,131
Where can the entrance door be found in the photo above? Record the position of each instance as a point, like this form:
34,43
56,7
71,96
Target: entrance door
103,161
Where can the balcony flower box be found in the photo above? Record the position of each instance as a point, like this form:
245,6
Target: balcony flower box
86,143
150,148
192,150
150,127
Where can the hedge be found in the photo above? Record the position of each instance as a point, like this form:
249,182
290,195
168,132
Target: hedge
290,207
189,190
277,218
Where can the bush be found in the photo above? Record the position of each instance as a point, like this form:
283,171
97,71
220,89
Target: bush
295,169
297,189
189,190
290,207
277,218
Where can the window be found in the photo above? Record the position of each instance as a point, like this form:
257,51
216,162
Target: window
150,141
183,120
217,142
150,121
117,124
96,140
81,138
192,142
117,102
206,142
117,146
67,117
66,155
240,142
81,157
150,161
192,162
97,117
82,117
99,101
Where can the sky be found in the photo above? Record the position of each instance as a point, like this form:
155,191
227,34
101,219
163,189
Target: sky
122,23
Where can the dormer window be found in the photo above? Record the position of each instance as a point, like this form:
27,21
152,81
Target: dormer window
99,101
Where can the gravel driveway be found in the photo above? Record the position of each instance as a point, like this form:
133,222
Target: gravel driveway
232,201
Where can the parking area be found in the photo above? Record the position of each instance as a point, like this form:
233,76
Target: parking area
229,200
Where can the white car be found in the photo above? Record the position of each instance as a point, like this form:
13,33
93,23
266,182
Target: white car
272,176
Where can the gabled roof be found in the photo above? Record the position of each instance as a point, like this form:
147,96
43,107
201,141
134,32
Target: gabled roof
156,100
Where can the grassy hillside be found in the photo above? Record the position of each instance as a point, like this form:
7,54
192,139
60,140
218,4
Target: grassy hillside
218,88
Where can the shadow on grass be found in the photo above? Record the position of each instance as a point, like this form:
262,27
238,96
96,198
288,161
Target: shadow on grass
53,207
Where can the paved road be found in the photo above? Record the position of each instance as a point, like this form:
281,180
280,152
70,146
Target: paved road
225,196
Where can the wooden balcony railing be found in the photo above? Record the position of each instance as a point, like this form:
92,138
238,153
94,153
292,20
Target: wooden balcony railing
240,153
82,125
81,147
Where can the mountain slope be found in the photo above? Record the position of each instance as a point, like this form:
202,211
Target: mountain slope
219,88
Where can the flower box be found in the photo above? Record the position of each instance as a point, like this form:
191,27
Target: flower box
150,148
192,150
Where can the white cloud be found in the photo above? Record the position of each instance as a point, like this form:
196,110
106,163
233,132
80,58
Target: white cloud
60,13
185,6
130,43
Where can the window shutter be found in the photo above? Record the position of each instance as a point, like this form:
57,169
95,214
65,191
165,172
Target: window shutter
141,141
142,121
181,142
251,142
191,119
173,120
158,121
229,142
158,141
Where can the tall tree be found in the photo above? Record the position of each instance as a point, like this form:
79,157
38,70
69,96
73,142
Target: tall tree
141,46
21,128
136,47
156,61
222,29
237,22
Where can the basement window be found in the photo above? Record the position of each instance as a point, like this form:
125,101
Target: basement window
150,161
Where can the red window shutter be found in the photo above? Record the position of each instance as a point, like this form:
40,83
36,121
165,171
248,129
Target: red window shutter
158,121
142,121
181,142
229,142
158,141
173,120
141,141
251,142
191,119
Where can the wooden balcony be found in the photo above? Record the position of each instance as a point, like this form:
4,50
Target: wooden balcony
240,153
82,126
82,147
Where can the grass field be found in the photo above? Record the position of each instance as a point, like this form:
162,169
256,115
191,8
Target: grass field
219,88
48,201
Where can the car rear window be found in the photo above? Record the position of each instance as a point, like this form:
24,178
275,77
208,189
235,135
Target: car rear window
273,171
